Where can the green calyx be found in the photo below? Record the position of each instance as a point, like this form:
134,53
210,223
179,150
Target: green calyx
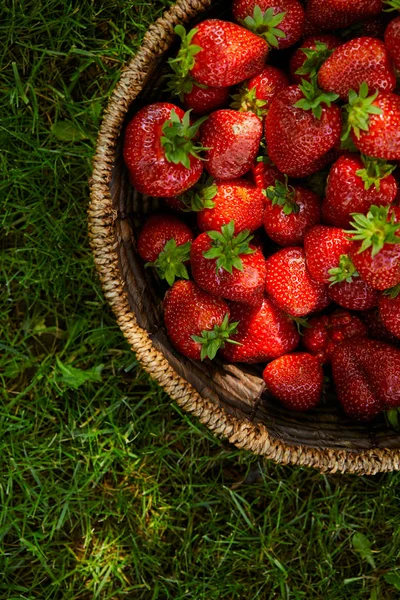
346,271
170,262
185,59
212,340
359,109
227,248
315,57
391,5
392,292
178,139
301,323
265,24
199,196
375,169
374,230
393,418
314,97
246,101
282,194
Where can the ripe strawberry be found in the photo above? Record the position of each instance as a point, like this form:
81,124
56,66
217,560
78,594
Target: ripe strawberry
376,247
367,377
160,152
296,380
164,242
263,333
290,285
354,185
265,173
323,334
348,289
300,128
232,139
334,14
307,60
218,54
228,266
203,100
363,59
374,123
376,328
236,200
389,311
280,22
392,41
324,246
197,323
258,92
289,212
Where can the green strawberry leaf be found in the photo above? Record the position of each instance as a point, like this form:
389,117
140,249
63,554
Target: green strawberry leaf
227,248
359,109
374,230
345,271
178,139
170,262
212,340
314,59
374,171
314,97
265,24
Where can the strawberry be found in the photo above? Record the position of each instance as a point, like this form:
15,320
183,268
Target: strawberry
389,311
232,139
197,323
160,151
296,380
228,266
280,22
376,328
324,246
375,251
218,54
323,334
263,333
354,185
334,14
164,242
367,377
290,211
348,289
265,173
300,128
392,41
290,285
258,92
236,200
307,60
374,123
203,100
363,59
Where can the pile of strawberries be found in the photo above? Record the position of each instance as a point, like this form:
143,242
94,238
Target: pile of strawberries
281,225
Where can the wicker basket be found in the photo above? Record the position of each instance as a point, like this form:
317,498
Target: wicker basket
228,399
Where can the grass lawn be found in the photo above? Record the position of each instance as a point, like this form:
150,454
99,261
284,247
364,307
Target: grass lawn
107,490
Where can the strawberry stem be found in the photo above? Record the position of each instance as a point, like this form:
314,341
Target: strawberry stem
300,322
246,101
315,57
265,24
346,271
314,97
199,196
228,248
375,169
359,109
212,340
170,262
178,139
374,229
282,194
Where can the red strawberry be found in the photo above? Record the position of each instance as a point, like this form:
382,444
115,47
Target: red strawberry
203,100
280,22
265,173
160,152
389,311
314,51
290,211
392,41
348,289
376,328
363,59
367,377
197,323
376,248
164,243
334,14
263,333
354,185
236,200
290,285
324,246
296,380
374,123
233,139
300,128
258,92
323,334
228,266
218,54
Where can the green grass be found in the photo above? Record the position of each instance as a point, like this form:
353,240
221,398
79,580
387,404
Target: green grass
107,490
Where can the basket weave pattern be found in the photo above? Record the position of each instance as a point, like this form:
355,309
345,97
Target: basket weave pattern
111,237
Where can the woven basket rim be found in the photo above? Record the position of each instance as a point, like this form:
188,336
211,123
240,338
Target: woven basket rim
101,218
